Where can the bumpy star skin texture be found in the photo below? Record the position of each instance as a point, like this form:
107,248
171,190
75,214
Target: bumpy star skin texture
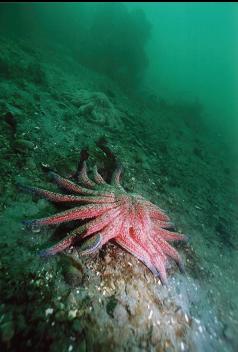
131,221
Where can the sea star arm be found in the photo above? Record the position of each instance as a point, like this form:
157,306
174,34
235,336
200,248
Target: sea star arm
132,247
78,213
115,181
64,198
155,212
91,245
169,235
83,177
97,224
141,228
71,186
156,256
60,246
101,222
163,224
113,230
159,243
159,215
159,259
97,177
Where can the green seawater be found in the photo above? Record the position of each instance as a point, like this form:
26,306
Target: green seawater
151,86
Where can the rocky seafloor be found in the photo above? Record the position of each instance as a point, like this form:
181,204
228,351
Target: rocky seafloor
51,109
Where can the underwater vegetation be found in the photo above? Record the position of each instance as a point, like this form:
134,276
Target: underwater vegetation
136,224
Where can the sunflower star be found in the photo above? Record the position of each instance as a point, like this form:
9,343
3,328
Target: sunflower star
133,222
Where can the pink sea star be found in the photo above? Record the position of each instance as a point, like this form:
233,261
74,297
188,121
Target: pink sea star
133,222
